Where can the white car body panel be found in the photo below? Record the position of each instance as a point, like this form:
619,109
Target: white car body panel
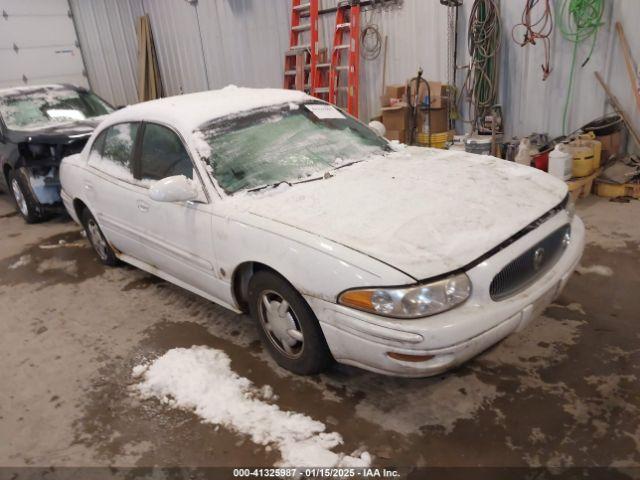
418,211
437,223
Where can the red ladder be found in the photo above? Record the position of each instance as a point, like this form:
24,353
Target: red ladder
300,63
346,38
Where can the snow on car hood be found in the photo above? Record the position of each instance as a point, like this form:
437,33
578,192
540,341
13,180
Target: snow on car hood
423,211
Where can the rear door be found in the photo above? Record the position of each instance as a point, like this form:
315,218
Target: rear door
111,188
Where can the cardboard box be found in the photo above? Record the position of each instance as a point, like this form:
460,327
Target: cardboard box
395,117
400,135
396,91
437,91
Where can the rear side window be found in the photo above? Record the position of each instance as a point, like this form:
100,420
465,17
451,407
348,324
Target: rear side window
96,148
163,154
112,152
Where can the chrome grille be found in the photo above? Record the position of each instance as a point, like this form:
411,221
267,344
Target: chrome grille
529,266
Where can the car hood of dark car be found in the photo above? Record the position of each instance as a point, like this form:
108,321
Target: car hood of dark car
55,134
423,211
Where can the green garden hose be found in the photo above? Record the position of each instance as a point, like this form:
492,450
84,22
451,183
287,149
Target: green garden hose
578,21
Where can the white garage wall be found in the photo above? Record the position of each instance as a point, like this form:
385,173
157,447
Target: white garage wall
211,43
38,44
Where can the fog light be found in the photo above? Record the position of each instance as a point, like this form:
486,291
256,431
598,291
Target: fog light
409,358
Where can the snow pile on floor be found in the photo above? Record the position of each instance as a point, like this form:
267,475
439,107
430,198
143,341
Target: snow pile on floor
597,269
201,379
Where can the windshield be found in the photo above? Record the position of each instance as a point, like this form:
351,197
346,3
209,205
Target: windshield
27,109
290,143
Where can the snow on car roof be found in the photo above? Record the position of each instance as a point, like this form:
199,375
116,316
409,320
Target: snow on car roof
187,112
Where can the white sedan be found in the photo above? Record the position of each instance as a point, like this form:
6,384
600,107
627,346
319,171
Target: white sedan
341,245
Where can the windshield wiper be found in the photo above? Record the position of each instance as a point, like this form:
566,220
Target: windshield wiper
347,164
262,187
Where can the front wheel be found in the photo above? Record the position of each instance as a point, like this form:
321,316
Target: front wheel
287,326
98,241
25,200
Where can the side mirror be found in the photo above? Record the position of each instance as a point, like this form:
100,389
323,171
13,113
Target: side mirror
174,189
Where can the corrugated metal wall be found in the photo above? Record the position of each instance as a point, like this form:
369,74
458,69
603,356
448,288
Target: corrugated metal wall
106,30
211,43
531,105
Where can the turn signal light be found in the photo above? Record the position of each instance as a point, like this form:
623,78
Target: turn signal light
409,358
360,299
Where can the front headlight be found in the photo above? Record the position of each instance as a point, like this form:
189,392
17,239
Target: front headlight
410,302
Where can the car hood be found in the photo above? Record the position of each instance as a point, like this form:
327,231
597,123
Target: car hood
56,134
423,211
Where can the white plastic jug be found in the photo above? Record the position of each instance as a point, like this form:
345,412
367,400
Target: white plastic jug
560,163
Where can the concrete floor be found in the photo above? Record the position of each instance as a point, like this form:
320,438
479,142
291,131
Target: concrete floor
562,393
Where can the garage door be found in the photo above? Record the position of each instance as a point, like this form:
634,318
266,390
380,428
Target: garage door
38,44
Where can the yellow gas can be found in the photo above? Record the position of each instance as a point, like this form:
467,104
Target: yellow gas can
589,139
583,158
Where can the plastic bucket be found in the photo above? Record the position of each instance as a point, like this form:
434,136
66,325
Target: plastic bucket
541,161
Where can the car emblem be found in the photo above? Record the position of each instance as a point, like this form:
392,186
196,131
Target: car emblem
538,257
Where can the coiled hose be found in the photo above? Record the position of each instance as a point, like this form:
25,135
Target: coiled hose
483,38
578,21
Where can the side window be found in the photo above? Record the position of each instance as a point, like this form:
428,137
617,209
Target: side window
163,154
114,154
96,149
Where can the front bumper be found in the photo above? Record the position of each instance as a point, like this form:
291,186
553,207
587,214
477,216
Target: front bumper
44,182
452,337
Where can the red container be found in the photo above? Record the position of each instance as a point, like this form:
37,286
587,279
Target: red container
541,161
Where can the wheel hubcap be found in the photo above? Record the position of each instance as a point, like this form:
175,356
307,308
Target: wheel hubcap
281,324
97,240
20,200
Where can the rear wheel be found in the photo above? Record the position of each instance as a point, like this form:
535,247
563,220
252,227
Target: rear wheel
98,241
287,326
26,202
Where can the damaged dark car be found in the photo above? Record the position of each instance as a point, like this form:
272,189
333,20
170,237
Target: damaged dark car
39,126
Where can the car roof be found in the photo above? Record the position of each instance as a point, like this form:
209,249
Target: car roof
188,112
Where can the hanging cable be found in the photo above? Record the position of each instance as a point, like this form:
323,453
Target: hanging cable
578,21
538,29
483,38
370,37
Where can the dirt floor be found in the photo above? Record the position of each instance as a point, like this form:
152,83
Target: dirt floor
564,392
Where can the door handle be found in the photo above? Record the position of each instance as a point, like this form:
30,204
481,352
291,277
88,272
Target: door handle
88,187
143,207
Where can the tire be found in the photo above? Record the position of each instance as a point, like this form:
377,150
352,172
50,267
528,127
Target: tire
97,239
27,204
304,353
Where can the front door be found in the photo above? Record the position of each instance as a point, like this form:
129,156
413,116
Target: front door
176,234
